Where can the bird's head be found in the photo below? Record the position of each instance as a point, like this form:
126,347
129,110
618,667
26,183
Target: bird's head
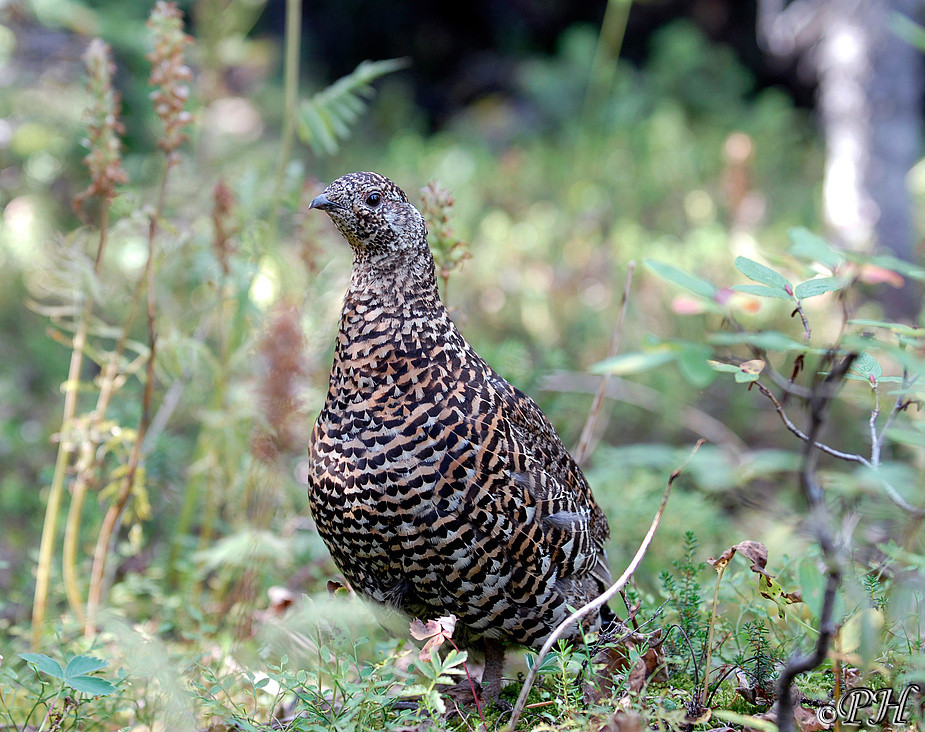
374,215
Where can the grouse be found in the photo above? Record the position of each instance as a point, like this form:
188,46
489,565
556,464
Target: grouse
437,486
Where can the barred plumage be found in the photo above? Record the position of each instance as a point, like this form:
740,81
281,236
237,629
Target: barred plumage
437,486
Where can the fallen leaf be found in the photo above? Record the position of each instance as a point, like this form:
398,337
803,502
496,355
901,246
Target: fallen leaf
752,693
806,719
623,721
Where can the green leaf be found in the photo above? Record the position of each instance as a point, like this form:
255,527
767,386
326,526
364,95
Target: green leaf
44,664
725,367
328,116
862,633
692,283
763,725
906,357
694,366
760,273
766,462
764,291
744,372
866,368
906,29
91,685
817,286
744,377
771,589
770,340
634,363
807,246
898,328
907,436
80,665
812,587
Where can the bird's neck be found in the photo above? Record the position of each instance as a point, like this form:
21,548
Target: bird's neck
392,317
398,284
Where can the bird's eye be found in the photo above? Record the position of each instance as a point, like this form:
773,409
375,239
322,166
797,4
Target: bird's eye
373,199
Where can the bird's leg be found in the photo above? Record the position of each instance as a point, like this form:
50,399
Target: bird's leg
494,664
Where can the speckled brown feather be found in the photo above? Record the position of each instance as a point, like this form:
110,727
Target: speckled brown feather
437,486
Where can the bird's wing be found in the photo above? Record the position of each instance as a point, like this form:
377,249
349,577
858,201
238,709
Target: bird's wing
554,471
518,483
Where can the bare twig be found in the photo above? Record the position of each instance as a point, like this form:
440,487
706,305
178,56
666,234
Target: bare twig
600,599
877,437
823,393
807,331
890,491
788,423
587,434
872,422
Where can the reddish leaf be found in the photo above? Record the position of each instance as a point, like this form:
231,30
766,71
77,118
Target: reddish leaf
435,632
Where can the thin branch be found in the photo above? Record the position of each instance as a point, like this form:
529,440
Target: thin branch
587,434
823,393
891,492
600,600
851,457
875,442
781,381
899,405
807,331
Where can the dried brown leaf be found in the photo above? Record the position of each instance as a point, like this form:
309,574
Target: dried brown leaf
623,721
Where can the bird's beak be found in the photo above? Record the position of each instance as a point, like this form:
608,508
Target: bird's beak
323,202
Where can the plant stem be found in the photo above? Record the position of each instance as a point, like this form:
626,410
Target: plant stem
65,450
587,434
194,489
291,82
609,42
85,464
114,514
51,707
822,394
706,665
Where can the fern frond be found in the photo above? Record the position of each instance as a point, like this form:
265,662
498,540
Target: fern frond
327,118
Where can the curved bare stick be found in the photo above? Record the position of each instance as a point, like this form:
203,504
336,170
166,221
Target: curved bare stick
600,599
